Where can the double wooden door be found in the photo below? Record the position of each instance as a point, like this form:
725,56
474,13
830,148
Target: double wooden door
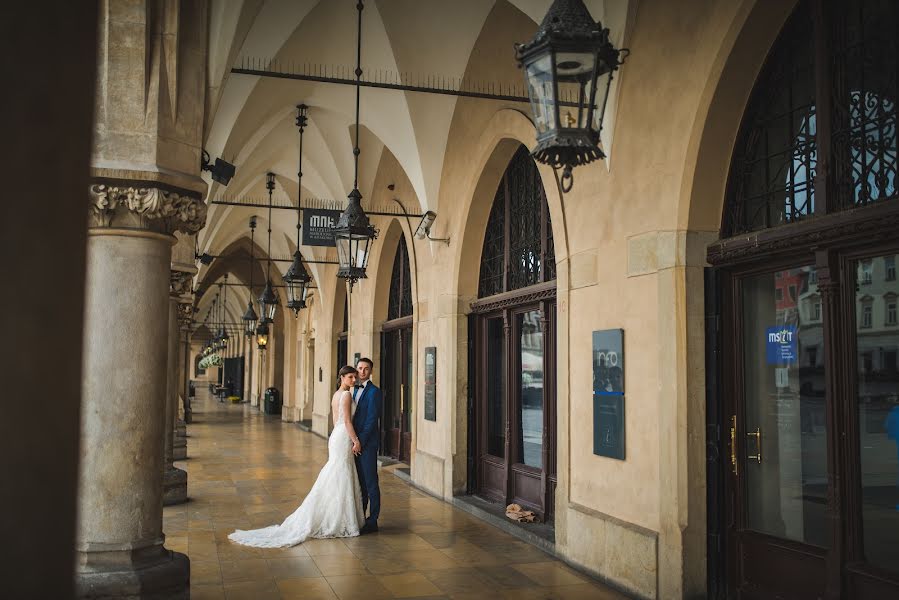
396,421
513,406
810,424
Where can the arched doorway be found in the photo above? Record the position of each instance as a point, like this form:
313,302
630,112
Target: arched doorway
806,283
512,328
396,360
342,337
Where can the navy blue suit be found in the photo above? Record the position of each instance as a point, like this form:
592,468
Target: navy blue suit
365,422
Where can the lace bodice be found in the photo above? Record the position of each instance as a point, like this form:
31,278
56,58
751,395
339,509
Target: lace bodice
339,419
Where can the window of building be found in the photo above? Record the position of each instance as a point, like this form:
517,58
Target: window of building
866,272
867,315
890,268
816,311
518,245
891,313
400,302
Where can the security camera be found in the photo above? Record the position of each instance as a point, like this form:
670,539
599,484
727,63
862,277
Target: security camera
424,227
222,171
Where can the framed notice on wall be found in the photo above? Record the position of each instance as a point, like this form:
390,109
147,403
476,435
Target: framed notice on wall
608,393
431,383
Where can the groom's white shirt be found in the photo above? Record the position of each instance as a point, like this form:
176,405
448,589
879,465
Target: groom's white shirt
357,392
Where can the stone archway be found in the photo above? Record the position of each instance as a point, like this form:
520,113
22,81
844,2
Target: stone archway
505,132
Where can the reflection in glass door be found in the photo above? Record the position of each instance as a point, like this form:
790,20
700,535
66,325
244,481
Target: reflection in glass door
877,398
779,437
529,326
785,438
396,386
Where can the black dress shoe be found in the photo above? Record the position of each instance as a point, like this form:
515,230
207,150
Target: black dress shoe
369,528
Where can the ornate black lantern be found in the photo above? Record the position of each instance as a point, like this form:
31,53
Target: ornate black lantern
353,236
250,319
297,284
262,336
353,233
268,302
568,70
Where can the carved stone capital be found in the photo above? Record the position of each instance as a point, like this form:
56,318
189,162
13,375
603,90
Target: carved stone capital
145,207
180,283
185,314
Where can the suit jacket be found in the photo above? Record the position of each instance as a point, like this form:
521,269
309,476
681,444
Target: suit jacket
368,414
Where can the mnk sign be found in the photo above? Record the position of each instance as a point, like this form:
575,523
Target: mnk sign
318,225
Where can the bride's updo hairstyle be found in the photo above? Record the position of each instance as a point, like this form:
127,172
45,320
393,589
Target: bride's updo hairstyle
344,371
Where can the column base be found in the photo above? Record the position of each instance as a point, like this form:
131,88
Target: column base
174,484
166,577
179,448
181,428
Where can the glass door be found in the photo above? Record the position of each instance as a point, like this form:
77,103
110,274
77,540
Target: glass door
874,537
779,436
396,387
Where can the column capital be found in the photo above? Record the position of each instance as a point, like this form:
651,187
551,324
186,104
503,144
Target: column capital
181,285
145,205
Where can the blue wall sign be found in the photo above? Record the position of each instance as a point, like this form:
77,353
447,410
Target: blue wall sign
782,345
608,393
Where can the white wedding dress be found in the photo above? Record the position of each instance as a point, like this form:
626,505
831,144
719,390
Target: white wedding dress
333,507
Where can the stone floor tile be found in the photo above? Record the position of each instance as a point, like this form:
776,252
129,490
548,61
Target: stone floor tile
305,589
252,590
409,585
549,574
292,567
458,581
359,587
251,569
336,564
205,572
206,592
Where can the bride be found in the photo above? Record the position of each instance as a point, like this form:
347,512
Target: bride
333,507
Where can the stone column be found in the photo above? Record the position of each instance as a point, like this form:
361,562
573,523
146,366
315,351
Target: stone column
185,319
174,479
124,387
176,347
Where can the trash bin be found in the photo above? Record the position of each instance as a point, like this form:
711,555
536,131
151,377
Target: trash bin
272,402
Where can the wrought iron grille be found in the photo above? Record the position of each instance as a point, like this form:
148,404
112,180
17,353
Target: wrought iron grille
400,302
518,248
775,165
865,63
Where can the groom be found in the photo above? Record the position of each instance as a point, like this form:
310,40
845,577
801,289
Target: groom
367,397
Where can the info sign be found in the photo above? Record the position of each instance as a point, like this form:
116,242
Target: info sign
431,383
608,393
782,344
318,226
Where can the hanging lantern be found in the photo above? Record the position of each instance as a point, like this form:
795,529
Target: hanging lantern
353,236
568,71
250,319
262,336
268,302
297,284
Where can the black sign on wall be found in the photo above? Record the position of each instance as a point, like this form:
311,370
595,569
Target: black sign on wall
431,383
317,225
608,393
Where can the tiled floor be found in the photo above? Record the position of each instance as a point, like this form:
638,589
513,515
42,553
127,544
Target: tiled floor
247,470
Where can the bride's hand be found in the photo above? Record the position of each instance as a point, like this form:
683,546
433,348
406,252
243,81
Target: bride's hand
357,447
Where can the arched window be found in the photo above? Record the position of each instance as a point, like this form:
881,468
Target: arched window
518,246
400,302
789,130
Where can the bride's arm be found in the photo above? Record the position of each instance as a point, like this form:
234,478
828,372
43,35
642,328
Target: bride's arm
348,421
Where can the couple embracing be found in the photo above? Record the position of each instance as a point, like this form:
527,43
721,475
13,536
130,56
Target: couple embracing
348,483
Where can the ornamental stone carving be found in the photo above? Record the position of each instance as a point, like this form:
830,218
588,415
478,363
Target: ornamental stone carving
180,283
185,314
150,208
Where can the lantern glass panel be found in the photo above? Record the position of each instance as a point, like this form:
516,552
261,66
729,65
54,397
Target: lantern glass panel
343,250
271,312
362,243
539,75
575,80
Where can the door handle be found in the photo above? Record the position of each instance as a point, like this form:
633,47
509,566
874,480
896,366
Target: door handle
733,444
757,434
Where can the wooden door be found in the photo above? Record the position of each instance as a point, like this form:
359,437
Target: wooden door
778,485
